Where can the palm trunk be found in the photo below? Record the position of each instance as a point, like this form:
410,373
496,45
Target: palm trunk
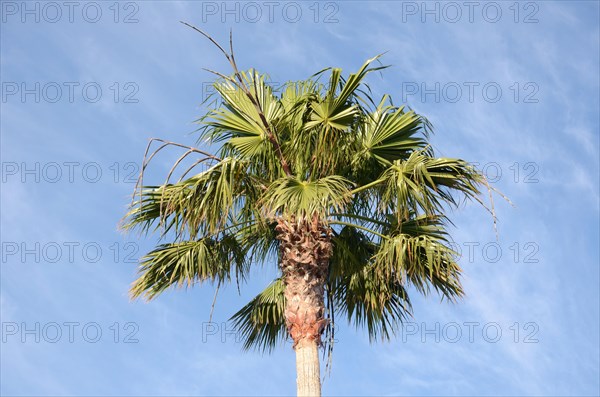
305,248
308,370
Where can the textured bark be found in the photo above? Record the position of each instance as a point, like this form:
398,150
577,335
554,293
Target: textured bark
305,249
307,366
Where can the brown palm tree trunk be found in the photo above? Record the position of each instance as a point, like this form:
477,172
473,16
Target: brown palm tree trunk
305,248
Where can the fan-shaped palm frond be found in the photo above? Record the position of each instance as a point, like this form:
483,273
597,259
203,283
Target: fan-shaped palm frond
422,183
391,133
291,195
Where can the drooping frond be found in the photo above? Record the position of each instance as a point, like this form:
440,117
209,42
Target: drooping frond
185,263
360,290
370,299
352,251
259,239
261,323
200,204
417,252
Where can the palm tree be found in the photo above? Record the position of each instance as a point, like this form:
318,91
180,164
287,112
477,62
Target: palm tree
345,192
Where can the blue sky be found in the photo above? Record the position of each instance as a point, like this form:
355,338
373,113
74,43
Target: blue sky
512,86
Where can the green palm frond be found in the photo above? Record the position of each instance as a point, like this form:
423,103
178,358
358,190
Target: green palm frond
372,300
259,239
423,183
417,252
352,84
336,109
294,196
391,133
246,121
200,204
412,252
186,263
360,290
261,323
352,250
238,115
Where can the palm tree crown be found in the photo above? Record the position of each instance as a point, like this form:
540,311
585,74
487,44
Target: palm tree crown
346,192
